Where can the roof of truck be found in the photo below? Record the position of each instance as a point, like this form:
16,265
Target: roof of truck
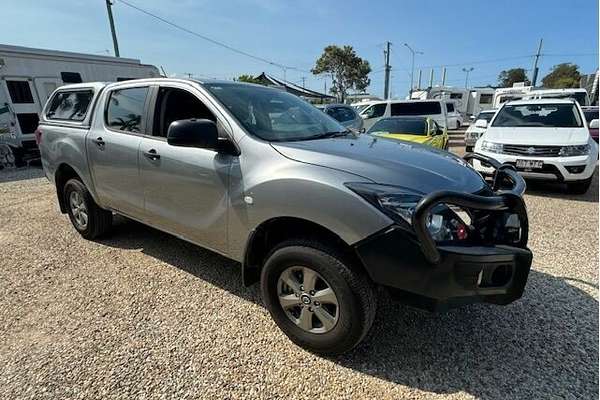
541,101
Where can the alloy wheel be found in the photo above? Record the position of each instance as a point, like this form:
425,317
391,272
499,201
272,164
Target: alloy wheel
307,299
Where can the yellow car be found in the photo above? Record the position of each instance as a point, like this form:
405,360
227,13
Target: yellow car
412,129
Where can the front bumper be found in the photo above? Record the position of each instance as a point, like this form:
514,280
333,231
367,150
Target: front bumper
463,275
554,169
438,278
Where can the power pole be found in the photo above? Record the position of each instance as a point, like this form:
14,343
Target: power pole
535,64
112,27
412,67
386,87
467,70
303,82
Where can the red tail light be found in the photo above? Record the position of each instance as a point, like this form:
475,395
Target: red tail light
38,136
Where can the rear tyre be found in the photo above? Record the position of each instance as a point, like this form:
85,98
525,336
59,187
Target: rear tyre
317,298
87,217
579,187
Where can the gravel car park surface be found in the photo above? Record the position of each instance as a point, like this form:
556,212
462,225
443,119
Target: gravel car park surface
141,314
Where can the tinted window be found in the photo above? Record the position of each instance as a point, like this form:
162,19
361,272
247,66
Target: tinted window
126,108
175,104
590,115
28,122
341,114
400,125
71,77
485,115
124,79
375,111
539,115
456,95
72,105
272,114
450,107
417,108
19,91
486,98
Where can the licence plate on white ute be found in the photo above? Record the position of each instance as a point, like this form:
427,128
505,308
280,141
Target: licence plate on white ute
530,164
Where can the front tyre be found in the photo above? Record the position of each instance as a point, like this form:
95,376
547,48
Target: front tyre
316,298
87,217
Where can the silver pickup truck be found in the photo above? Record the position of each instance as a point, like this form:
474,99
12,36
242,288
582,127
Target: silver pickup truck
321,216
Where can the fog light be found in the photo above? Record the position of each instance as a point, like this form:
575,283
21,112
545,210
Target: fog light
575,169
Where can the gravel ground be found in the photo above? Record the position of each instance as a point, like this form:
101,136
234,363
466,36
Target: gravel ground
142,314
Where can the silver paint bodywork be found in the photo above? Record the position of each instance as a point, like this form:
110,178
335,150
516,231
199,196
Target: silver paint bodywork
198,194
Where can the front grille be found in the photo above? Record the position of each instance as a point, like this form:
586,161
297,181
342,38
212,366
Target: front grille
531,151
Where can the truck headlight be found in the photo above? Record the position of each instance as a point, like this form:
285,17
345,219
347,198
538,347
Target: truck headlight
399,204
570,151
492,147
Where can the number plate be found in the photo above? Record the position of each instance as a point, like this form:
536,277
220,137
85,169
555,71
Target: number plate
530,164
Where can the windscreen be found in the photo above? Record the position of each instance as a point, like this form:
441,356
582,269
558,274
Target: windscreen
539,115
400,126
486,116
273,114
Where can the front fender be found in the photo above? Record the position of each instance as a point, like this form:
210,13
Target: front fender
303,191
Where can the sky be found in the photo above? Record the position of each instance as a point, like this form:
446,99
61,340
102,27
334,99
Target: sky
488,36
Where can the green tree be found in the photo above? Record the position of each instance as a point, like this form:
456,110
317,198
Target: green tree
248,79
565,75
347,70
510,76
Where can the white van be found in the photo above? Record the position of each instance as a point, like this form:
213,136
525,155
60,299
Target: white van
435,109
28,76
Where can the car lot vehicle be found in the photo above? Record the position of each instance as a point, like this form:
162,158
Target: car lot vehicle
591,113
28,76
344,114
453,116
543,139
474,132
320,216
411,129
435,109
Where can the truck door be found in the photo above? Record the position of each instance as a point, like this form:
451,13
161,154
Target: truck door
112,146
24,103
185,188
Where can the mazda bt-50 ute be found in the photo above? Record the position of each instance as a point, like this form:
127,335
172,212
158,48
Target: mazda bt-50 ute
319,215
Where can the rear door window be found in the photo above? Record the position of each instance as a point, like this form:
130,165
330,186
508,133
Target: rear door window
70,105
125,109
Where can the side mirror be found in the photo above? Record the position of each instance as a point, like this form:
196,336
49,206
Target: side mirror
201,133
481,123
594,124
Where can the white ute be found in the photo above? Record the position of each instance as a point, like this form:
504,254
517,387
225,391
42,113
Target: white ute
543,139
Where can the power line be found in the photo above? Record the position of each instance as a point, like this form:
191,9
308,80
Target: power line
213,41
490,61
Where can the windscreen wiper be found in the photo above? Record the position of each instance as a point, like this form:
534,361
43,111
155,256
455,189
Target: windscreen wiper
331,134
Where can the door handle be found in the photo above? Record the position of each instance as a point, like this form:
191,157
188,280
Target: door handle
99,142
152,155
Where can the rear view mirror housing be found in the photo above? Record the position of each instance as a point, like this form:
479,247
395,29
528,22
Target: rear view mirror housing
200,133
481,123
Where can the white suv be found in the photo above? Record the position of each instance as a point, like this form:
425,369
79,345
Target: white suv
543,139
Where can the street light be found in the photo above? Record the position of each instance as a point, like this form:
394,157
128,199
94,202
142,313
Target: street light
412,68
467,78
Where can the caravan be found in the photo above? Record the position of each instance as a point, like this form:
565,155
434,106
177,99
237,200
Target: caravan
29,76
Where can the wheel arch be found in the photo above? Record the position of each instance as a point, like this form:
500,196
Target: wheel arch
277,230
63,173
